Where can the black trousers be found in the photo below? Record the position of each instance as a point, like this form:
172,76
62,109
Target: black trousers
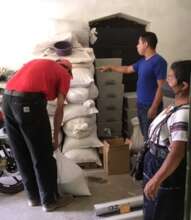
29,132
142,111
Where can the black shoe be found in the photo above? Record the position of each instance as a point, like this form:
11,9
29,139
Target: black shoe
61,202
33,203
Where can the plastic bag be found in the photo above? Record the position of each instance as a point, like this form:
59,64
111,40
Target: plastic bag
137,137
137,171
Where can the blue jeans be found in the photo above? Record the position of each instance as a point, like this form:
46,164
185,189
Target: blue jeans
142,111
29,133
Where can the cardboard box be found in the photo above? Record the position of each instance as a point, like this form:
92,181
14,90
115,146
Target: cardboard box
116,156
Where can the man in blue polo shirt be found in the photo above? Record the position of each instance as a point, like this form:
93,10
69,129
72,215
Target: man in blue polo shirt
151,71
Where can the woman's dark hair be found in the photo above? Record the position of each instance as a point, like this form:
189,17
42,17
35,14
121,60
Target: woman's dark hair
150,38
182,71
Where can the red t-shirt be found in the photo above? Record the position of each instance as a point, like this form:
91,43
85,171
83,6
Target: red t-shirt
41,75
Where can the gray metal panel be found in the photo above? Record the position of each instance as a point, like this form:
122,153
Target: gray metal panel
110,129
111,91
108,78
110,113
131,98
110,100
105,103
109,116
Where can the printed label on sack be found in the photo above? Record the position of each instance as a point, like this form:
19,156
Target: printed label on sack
26,109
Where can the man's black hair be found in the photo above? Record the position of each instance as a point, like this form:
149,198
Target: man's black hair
150,38
182,70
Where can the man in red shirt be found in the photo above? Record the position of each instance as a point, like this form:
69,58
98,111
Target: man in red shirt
28,126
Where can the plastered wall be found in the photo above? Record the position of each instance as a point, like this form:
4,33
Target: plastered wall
170,20
26,22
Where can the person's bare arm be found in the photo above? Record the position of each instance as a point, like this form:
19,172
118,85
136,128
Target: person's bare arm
157,100
170,164
58,118
120,69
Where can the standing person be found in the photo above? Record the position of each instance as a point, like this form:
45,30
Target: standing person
151,71
165,161
28,126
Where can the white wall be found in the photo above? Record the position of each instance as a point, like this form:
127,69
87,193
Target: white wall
23,23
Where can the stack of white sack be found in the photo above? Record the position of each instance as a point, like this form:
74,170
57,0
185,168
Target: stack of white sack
80,107
79,125
82,86
79,121
81,141
80,128
72,111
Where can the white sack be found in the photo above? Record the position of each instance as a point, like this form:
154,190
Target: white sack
71,178
77,110
82,77
93,91
80,95
84,156
137,137
80,127
81,55
77,95
87,142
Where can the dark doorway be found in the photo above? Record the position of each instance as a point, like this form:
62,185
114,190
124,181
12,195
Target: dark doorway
117,38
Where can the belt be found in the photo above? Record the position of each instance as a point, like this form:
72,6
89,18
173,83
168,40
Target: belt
158,150
24,94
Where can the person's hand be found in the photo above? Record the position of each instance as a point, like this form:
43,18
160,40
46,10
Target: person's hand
151,189
104,68
152,113
55,145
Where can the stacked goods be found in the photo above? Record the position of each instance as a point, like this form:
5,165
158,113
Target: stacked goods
79,122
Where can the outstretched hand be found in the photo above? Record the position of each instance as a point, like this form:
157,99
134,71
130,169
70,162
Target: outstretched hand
104,68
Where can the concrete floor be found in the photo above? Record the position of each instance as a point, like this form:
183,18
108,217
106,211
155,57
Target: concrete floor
14,207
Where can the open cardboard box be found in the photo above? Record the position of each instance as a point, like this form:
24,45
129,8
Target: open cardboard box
116,156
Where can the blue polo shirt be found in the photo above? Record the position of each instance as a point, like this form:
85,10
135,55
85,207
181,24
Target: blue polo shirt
149,71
